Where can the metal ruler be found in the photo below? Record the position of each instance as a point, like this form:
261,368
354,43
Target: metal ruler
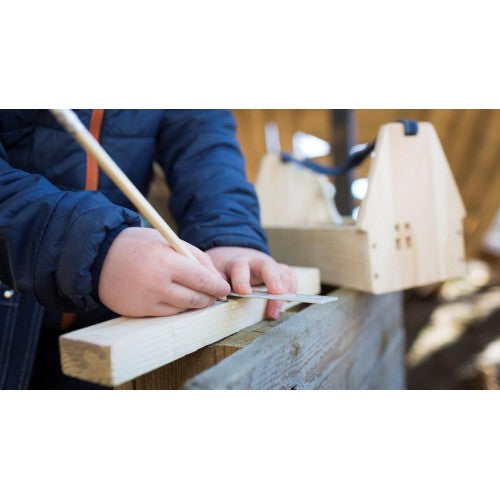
288,297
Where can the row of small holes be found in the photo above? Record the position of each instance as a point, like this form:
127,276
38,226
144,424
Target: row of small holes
398,242
408,242
406,226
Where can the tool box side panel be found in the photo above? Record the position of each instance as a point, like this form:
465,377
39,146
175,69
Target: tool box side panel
413,212
340,252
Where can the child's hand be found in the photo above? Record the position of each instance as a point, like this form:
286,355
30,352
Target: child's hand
143,276
244,267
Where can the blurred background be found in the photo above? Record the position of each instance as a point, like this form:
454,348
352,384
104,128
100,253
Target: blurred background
453,330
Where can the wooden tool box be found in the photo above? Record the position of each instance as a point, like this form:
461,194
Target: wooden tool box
409,231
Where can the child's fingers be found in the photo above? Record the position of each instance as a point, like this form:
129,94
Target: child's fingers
271,276
289,283
203,258
239,272
199,278
288,278
273,309
162,309
186,298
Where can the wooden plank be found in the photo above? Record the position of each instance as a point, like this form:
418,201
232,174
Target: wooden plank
389,372
340,252
334,346
174,375
119,350
304,197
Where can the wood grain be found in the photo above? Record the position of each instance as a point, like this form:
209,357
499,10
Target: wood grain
389,371
291,196
119,350
339,251
333,346
413,212
174,375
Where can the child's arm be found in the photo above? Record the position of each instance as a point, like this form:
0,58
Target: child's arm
211,199
49,238
54,243
215,206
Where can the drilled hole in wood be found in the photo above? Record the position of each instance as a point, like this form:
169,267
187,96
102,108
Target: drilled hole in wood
374,245
407,225
408,241
396,227
375,275
398,244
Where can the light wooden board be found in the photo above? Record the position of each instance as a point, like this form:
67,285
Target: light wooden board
413,212
174,375
291,195
342,345
339,251
119,350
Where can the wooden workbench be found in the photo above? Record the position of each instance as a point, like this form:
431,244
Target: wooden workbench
354,343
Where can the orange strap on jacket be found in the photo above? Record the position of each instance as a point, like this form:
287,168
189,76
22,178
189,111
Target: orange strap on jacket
92,178
91,184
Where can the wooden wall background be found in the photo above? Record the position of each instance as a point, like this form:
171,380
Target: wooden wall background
470,138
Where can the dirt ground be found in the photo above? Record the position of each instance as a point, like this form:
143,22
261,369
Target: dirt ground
453,333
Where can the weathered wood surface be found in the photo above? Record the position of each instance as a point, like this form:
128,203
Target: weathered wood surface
116,351
354,343
389,371
176,374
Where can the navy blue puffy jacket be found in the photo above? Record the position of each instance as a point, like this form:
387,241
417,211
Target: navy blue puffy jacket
51,232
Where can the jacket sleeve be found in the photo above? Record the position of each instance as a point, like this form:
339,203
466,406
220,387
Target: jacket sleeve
212,201
49,239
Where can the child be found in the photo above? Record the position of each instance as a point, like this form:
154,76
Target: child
73,252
